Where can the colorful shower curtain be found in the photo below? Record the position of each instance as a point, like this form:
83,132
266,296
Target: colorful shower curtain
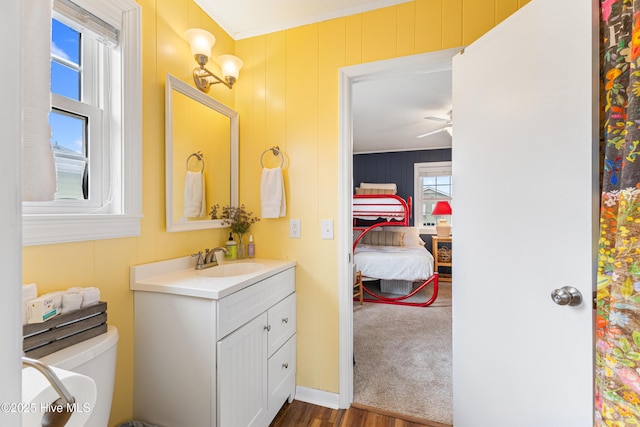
618,300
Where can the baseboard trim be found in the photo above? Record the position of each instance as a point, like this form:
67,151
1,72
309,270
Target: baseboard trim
318,397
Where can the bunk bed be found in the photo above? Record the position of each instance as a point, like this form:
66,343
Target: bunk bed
386,248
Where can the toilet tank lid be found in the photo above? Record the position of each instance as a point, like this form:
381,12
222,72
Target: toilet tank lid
78,354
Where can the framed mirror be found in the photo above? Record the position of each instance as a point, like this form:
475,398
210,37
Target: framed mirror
201,149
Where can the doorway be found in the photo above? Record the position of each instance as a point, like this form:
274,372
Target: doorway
424,64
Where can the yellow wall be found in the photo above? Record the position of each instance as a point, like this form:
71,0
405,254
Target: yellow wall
287,95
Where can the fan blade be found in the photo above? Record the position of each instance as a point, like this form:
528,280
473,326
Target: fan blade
433,132
438,119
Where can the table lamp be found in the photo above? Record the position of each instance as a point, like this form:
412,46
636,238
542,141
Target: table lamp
443,228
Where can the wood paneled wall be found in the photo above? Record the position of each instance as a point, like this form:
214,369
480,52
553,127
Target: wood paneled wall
396,167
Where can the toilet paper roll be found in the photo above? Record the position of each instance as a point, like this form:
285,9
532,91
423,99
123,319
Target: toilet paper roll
38,396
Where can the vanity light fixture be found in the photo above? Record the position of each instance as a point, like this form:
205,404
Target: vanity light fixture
201,42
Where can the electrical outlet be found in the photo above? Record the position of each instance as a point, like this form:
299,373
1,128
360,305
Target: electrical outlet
294,228
327,229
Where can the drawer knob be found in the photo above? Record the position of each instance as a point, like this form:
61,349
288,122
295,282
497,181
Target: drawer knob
267,328
285,320
285,365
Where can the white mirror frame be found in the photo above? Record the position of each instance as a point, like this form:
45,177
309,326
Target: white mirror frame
174,84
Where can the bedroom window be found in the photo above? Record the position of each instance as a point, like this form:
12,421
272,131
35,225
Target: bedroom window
96,97
433,183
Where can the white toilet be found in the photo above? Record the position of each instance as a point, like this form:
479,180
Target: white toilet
95,358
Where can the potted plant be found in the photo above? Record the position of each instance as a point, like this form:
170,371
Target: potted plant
238,219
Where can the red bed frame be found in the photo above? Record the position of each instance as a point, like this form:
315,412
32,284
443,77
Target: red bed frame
395,212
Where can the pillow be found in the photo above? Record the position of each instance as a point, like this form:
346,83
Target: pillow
374,191
383,238
411,235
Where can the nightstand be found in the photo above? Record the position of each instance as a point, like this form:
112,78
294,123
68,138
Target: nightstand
441,250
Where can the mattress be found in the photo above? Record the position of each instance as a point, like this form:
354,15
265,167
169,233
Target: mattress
410,263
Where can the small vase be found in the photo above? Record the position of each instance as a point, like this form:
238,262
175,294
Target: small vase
242,250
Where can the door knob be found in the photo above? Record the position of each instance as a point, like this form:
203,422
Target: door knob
567,295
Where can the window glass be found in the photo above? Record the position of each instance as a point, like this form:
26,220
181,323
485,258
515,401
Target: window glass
66,78
68,143
65,81
434,188
433,183
70,137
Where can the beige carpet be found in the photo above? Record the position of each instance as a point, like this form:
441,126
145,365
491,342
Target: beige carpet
403,357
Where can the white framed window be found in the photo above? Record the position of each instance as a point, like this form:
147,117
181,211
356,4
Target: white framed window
432,183
95,120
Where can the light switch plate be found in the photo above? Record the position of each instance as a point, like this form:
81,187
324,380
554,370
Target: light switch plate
294,228
327,229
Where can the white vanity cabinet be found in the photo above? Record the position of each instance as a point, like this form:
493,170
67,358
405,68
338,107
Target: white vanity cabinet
226,362
257,364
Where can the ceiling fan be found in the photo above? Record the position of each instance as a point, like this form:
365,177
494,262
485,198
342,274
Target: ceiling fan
447,125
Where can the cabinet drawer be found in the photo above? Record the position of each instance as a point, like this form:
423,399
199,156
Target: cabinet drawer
282,373
282,322
238,308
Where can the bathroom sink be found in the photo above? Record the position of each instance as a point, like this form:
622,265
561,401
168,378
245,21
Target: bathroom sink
38,396
231,269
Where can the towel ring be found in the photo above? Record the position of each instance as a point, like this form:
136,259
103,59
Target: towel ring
276,152
199,156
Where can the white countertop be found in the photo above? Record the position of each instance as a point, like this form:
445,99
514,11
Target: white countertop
179,276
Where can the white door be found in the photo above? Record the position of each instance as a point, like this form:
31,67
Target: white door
525,206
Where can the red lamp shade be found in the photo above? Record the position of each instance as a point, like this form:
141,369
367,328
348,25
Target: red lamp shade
441,208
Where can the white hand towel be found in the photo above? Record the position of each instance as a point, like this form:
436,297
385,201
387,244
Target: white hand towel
90,296
194,197
29,292
272,196
71,300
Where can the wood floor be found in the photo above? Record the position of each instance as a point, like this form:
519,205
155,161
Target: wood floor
300,413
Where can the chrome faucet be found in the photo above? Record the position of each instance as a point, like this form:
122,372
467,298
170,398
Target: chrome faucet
209,258
210,255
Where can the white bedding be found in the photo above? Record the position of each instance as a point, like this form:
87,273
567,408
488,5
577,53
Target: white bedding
411,263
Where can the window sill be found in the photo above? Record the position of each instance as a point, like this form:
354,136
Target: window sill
51,229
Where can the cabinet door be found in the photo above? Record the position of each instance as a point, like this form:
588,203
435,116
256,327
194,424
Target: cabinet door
242,375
